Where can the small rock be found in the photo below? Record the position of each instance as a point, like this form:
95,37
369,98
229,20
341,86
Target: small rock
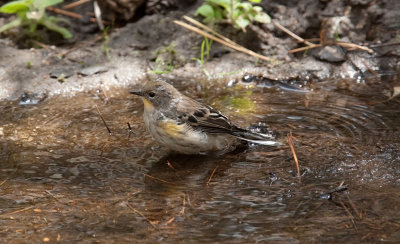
247,78
56,176
231,83
332,54
93,70
28,98
61,73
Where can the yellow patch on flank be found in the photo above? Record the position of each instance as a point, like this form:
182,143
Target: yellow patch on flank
171,128
147,105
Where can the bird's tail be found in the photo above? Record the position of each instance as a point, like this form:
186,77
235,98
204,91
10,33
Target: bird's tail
258,138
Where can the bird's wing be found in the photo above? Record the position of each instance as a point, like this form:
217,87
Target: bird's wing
207,119
210,120
204,118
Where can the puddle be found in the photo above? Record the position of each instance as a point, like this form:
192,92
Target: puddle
63,177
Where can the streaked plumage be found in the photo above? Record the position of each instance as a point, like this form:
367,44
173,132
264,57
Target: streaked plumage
187,126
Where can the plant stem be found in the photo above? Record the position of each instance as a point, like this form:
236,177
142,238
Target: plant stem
232,4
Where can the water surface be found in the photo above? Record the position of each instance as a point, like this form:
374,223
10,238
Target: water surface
63,177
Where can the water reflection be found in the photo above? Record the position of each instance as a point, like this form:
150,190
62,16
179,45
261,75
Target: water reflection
62,176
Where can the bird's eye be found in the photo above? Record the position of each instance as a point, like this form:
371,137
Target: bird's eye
152,94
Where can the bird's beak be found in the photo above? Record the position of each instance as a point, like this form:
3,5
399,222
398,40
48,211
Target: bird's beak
147,104
139,93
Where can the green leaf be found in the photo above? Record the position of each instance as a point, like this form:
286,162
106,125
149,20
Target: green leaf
10,25
206,11
16,6
242,23
54,27
245,6
237,12
218,14
257,9
223,3
262,18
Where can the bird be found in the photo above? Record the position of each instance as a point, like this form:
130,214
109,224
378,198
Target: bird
187,126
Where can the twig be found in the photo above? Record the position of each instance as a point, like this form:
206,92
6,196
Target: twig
170,165
312,39
289,136
353,46
212,174
52,195
136,211
354,207
300,49
155,178
183,205
112,191
170,221
105,94
369,68
338,189
181,212
97,14
4,181
342,44
74,4
224,41
322,42
366,236
71,14
101,116
40,44
349,214
17,211
65,12
298,38
206,28
129,130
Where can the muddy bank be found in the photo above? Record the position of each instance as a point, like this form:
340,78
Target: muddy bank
132,50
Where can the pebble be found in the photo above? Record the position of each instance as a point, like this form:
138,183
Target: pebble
61,73
28,98
56,176
93,70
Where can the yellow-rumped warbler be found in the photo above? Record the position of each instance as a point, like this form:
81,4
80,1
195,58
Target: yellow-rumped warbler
187,126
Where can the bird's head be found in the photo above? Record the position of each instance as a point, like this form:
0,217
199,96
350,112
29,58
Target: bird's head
156,94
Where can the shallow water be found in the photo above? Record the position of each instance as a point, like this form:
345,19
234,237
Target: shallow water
63,177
